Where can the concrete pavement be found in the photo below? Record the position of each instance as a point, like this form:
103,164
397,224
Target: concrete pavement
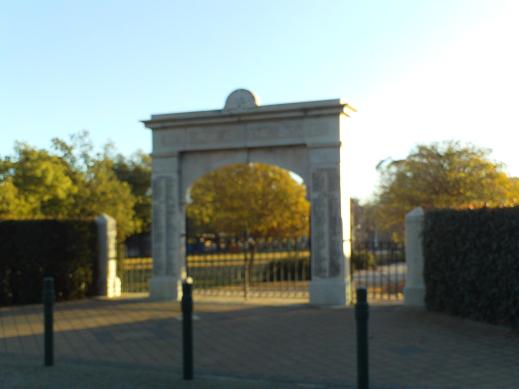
137,344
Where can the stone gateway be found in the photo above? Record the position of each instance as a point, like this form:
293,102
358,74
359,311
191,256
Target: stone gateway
308,138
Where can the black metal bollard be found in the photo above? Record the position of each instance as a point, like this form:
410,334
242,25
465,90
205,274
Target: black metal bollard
187,327
48,320
361,315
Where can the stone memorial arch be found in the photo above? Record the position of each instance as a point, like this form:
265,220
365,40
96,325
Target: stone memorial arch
308,138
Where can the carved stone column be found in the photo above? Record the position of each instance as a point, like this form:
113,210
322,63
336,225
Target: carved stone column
168,230
330,230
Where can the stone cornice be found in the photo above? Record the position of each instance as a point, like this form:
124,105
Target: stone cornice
253,114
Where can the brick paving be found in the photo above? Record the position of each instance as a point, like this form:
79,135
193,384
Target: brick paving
275,344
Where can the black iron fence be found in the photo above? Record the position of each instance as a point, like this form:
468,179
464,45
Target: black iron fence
380,268
233,267
274,268
252,268
135,274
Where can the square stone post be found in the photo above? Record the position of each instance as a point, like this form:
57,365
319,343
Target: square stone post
168,230
108,284
414,291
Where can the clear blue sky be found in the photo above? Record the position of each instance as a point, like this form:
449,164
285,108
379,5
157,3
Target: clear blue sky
417,71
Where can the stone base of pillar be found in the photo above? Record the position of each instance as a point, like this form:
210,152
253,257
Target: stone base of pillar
113,283
330,292
165,288
414,296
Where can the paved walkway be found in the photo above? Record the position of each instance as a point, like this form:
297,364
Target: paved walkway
137,344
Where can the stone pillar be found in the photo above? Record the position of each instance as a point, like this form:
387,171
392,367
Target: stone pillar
414,291
168,230
109,284
330,230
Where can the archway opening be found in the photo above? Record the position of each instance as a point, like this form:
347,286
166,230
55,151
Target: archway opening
248,232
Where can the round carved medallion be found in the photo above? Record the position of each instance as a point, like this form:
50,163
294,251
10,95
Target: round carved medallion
240,99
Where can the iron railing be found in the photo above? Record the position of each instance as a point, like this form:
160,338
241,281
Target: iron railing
265,267
380,268
276,269
135,274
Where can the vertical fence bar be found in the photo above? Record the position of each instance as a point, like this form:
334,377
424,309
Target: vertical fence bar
366,271
396,265
403,269
48,320
361,315
381,270
187,327
394,278
389,277
131,268
122,274
214,268
381,255
221,270
245,274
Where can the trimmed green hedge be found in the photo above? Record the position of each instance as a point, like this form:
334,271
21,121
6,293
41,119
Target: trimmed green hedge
30,250
472,264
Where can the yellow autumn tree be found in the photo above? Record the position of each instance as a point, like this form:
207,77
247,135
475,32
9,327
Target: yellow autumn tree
254,200
441,175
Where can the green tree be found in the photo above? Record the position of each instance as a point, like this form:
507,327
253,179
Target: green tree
99,188
12,205
441,175
102,192
254,200
39,182
363,225
136,172
68,182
